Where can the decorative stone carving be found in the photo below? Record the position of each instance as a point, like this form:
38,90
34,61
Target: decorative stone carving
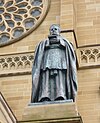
88,56
16,62
20,17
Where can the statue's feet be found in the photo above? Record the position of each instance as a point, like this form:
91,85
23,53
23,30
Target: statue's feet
59,98
45,99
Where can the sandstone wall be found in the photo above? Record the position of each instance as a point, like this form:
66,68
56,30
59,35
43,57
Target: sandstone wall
15,78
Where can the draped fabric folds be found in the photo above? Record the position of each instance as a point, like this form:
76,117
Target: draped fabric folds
54,84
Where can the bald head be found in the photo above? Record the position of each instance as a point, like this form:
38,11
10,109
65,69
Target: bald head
54,29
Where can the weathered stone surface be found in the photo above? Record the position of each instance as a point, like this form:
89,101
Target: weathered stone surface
60,112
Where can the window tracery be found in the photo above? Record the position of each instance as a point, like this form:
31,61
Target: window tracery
20,17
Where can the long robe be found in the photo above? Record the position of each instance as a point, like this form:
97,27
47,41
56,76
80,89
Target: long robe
71,77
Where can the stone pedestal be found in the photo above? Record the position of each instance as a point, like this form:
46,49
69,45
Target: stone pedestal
64,112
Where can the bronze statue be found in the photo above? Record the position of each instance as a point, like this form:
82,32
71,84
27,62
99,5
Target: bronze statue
54,69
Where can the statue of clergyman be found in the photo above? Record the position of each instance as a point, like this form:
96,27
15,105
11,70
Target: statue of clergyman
54,69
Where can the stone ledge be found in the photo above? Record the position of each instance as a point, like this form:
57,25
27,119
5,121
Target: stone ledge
70,120
59,112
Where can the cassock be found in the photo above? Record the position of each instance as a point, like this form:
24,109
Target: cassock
54,74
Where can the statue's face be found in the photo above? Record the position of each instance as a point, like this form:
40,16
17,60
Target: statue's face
54,30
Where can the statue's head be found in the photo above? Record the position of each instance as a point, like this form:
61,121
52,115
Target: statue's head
54,29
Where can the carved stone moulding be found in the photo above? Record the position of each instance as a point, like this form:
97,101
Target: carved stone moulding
6,114
18,18
88,57
14,64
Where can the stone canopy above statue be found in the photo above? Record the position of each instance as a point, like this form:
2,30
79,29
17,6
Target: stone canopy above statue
54,75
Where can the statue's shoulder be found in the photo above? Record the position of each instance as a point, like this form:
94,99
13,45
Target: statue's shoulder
66,40
44,41
41,43
67,43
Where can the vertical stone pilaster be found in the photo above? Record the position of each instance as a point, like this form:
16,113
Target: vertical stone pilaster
66,14
67,19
